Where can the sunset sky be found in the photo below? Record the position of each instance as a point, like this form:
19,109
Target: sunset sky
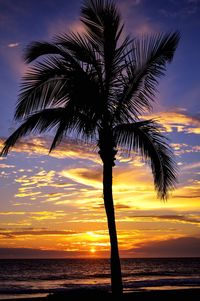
51,205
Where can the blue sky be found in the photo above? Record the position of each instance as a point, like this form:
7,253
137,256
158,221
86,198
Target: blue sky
25,21
62,186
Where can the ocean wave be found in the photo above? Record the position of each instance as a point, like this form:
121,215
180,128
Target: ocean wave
84,276
18,290
49,276
192,282
163,282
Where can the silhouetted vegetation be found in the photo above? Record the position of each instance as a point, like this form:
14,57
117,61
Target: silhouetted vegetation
95,86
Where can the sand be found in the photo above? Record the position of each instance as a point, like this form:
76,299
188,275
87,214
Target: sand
192,294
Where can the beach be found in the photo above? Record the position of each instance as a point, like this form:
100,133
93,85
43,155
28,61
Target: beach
95,295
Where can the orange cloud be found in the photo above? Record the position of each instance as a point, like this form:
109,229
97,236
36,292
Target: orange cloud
88,177
185,246
183,148
69,148
179,121
12,212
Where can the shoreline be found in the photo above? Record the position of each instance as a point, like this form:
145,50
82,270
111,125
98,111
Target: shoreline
189,294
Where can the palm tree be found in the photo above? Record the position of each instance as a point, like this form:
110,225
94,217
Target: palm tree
96,86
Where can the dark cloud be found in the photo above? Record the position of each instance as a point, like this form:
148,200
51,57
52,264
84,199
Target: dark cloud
191,219
11,234
178,247
192,196
91,174
117,206
122,206
6,253
180,218
23,253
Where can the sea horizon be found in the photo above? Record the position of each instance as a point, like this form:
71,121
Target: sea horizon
30,277
96,258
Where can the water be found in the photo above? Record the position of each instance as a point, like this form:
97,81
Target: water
33,277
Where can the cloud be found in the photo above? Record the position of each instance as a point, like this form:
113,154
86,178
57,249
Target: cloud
130,3
176,120
119,206
193,131
63,26
74,149
193,196
69,148
124,176
36,215
2,165
31,194
127,181
136,20
77,27
47,215
13,58
190,166
41,179
132,182
132,188
189,190
12,45
189,219
6,253
12,212
89,177
180,9
177,247
183,148
14,234
33,186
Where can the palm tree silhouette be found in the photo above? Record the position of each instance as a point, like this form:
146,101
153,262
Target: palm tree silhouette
95,86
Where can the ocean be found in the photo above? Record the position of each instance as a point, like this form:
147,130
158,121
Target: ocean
38,277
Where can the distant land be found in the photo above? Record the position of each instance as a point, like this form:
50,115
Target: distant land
179,247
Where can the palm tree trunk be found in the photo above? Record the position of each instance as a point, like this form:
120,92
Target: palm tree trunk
116,277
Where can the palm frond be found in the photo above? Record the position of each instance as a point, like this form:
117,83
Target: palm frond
83,84
103,28
40,122
145,137
80,48
143,66
74,121
101,19
42,86
53,84
37,49
57,138
78,45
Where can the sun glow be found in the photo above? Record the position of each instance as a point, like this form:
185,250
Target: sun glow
92,250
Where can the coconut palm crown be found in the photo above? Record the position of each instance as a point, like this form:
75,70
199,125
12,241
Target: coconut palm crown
96,86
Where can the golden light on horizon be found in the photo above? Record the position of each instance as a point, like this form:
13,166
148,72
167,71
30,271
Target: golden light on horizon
93,250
